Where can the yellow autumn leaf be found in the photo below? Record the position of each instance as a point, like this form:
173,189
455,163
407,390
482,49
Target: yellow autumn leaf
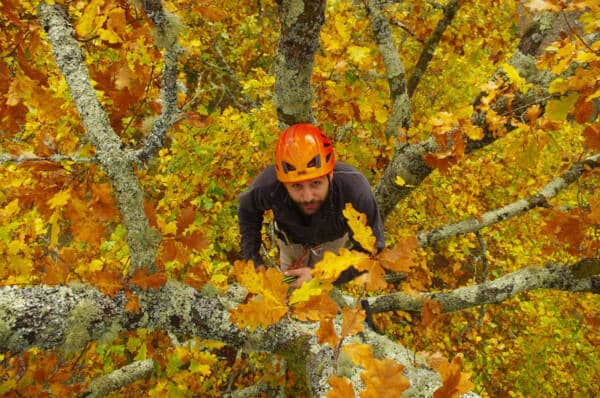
89,21
10,209
59,199
361,56
109,36
399,181
54,229
332,265
314,287
361,232
513,74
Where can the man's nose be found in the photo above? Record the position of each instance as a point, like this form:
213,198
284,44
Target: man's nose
307,195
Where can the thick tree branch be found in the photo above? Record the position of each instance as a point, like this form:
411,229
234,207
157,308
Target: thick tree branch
400,115
141,238
119,378
301,22
541,198
70,317
579,277
408,161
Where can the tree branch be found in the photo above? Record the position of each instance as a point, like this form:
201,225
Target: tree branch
408,162
301,22
400,114
579,277
541,198
431,44
69,317
141,238
52,158
119,378
167,30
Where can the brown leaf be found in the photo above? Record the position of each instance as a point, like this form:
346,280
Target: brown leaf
455,383
352,321
341,387
399,258
326,333
431,309
144,280
592,136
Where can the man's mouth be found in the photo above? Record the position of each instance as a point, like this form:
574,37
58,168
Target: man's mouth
310,206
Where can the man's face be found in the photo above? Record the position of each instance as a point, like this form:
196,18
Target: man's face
309,195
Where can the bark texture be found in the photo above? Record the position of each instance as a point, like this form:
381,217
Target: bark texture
580,277
400,114
540,199
141,238
61,317
301,22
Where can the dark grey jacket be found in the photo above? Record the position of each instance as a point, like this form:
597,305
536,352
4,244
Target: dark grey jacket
267,193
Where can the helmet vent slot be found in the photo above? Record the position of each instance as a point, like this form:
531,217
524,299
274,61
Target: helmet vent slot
315,162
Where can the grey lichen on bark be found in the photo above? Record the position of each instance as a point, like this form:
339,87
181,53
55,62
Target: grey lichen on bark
299,40
142,240
539,199
551,276
399,117
119,378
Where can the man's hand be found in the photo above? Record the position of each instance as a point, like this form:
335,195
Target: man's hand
302,274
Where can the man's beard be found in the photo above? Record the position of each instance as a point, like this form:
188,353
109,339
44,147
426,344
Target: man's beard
310,208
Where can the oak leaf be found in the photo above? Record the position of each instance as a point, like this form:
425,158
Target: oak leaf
431,309
454,382
326,333
268,305
361,232
340,387
144,280
332,265
399,258
315,308
352,321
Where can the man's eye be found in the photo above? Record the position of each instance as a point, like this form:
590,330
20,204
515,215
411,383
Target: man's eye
317,183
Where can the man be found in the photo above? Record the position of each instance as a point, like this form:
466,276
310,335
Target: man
307,191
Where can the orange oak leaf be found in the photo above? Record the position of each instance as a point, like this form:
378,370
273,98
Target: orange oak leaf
259,311
454,382
133,302
341,387
431,309
326,333
398,258
268,305
382,377
109,282
352,321
316,308
144,280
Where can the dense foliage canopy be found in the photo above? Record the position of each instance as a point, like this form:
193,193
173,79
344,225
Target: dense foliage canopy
129,128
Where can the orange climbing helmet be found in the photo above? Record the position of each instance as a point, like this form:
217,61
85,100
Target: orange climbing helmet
302,153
